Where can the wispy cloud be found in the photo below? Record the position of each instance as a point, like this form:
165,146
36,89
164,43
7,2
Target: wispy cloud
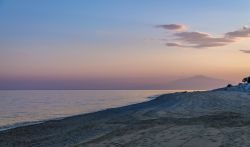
244,32
174,27
174,44
195,39
245,51
201,40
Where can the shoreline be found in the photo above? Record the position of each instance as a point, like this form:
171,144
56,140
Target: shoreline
6,125
30,123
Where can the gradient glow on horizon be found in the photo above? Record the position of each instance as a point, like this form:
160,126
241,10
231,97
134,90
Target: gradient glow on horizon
111,43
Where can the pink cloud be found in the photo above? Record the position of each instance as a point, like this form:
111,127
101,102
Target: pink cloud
195,39
245,51
201,40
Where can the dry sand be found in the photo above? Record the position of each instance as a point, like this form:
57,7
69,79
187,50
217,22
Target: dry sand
195,119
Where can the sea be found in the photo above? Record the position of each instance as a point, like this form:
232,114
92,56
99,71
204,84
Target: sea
25,107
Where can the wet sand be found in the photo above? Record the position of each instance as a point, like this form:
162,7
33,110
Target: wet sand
193,119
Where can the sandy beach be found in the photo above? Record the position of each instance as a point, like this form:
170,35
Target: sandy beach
187,119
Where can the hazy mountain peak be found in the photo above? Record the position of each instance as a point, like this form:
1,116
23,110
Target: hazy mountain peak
199,76
197,82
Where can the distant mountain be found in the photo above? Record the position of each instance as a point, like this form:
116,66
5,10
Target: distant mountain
198,82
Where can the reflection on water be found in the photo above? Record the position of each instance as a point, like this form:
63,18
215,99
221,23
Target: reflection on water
35,105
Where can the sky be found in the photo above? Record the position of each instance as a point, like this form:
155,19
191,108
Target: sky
125,44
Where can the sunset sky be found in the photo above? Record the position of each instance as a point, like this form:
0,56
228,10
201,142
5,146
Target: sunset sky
98,44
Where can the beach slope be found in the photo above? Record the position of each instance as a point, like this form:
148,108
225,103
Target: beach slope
188,119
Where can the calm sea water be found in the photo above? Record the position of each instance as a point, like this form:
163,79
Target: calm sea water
24,107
